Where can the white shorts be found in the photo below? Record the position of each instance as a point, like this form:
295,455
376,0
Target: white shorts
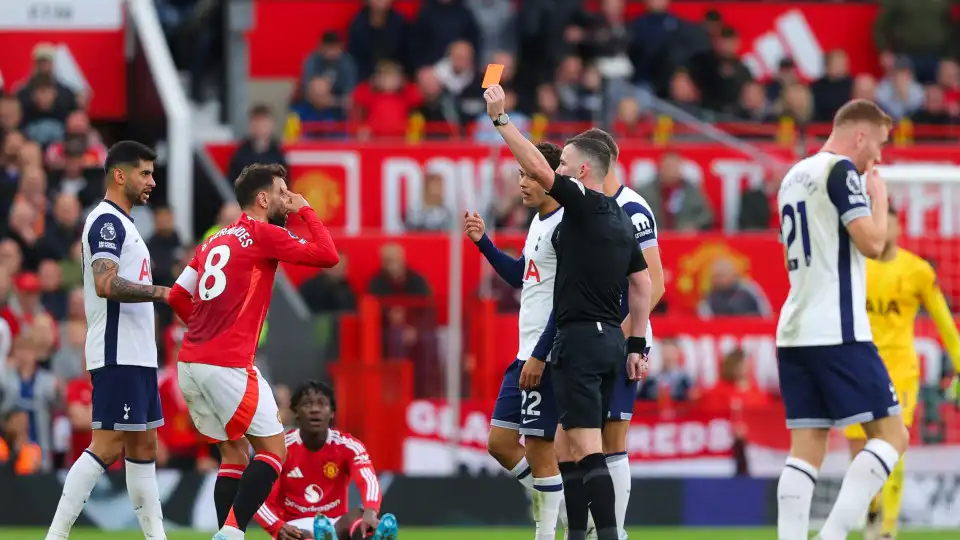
227,403
306,524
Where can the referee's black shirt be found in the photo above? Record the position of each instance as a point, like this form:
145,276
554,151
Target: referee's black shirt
596,248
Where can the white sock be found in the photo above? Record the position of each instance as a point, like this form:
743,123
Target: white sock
619,467
864,479
145,496
522,472
232,533
80,481
550,490
794,495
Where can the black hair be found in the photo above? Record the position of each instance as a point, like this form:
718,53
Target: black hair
314,387
256,178
598,134
551,152
259,110
128,154
595,151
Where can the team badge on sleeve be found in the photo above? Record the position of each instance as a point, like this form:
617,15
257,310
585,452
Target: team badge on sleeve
297,238
108,232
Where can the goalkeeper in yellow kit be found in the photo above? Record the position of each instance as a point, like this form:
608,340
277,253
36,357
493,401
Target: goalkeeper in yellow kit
897,284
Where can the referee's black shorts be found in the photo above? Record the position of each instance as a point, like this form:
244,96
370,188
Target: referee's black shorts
586,360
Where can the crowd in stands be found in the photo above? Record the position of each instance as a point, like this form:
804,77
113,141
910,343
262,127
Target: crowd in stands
598,68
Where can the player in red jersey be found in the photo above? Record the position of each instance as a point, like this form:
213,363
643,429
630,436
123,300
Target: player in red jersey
223,296
310,500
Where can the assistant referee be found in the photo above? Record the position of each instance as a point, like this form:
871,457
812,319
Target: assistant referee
595,250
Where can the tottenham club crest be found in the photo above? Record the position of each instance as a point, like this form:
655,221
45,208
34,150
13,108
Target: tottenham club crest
108,232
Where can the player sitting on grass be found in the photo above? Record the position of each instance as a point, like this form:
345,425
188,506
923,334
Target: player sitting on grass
897,283
310,499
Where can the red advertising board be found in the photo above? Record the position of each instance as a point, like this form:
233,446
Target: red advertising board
804,31
88,40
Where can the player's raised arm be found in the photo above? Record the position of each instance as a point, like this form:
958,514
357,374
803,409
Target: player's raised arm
106,237
285,246
508,268
938,309
181,294
526,153
866,221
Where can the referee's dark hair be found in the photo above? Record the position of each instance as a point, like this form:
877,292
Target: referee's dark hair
127,155
598,154
314,387
598,134
256,178
551,152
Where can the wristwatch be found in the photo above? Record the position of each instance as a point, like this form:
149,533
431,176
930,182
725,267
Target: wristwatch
501,120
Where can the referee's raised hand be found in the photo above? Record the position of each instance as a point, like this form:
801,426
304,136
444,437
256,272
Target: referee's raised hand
494,96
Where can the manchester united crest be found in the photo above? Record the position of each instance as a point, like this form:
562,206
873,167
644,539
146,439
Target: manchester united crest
330,470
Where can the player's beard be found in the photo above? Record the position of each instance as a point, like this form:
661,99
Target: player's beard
138,198
280,220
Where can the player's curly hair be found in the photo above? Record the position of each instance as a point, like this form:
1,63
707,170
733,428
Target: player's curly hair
551,152
313,387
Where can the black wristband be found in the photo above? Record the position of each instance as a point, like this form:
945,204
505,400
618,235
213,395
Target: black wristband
636,345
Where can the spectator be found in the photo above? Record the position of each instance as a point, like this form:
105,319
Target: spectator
72,178
785,76
900,94
43,119
9,326
259,146
61,232
923,31
864,87
458,75
720,73
755,204
732,295
934,109
72,267
549,31
607,41
662,43
318,107
68,362
25,304
432,213
228,215
11,114
30,389
165,246
22,229
377,33
439,23
43,70
752,106
17,451
394,277
328,291
52,296
832,90
567,86
389,99
438,106
626,123
548,106
331,62
684,93
509,62
796,103
486,132
671,382
676,203
11,258
948,77
497,25
79,397
591,95
86,141
10,171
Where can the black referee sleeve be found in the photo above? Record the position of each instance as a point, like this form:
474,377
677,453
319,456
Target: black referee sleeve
637,262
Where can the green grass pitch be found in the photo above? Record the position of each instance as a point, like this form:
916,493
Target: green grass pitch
476,534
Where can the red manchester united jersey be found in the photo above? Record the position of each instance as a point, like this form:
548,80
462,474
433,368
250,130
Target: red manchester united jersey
317,482
230,280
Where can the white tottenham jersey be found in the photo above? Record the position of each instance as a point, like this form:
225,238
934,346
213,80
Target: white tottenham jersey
827,302
117,333
642,217
539,272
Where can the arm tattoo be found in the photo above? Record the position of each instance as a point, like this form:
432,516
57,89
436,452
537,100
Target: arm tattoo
113,287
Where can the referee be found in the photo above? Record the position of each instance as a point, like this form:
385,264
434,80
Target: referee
596,248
